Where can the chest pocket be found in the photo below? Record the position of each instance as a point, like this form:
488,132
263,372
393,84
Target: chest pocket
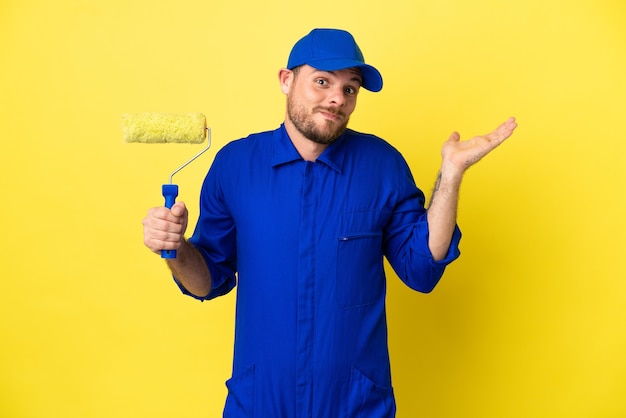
360,278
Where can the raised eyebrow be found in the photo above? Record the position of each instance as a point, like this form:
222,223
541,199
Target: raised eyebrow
356,76
359,80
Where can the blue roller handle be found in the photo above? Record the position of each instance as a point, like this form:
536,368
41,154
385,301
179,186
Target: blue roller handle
170,192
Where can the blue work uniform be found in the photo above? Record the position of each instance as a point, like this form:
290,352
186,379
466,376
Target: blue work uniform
304,243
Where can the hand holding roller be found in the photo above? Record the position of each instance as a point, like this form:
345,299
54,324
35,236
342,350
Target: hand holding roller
164,128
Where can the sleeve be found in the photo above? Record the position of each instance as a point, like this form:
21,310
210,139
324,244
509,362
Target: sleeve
406,238
214,235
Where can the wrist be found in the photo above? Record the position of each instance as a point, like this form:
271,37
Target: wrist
450,173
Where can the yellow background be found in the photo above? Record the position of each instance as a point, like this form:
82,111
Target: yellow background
530,322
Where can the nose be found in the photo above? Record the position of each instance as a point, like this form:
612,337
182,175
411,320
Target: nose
337,96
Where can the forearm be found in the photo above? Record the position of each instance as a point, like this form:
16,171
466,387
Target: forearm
442,211
457,157
190,270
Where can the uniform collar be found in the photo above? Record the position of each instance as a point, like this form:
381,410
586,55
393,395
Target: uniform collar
284,151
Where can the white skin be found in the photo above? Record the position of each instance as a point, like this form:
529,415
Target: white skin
319,105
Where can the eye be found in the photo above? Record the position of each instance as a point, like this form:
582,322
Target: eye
351,90
321,81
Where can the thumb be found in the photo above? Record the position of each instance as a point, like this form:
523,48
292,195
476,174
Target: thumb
454,137
178,209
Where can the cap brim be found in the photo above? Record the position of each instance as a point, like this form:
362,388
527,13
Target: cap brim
372,79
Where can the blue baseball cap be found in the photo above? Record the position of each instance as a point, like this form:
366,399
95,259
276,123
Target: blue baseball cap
333,49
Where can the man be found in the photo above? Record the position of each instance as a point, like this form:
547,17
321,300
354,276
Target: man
300,219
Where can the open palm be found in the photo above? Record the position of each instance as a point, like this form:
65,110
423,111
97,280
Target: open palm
463,154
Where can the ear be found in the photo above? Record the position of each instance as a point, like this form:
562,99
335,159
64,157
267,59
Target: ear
285,77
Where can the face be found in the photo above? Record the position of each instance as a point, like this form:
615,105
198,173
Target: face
319,103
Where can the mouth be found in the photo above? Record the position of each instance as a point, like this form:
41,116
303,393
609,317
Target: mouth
332,114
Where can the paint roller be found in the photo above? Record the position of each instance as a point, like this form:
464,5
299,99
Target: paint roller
166,128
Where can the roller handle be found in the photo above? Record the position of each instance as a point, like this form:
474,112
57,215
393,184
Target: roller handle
170,192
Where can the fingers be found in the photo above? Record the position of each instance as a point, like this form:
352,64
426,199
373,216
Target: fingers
498,135
503,131
508,126
164,228
162,218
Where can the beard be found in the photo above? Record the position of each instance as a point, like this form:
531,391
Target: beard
304,123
